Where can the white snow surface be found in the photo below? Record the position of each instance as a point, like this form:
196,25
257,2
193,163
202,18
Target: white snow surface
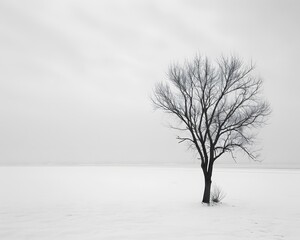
135,203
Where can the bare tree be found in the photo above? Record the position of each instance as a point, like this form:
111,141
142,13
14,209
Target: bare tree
217,106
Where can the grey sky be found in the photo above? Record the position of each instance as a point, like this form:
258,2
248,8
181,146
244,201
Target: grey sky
75,76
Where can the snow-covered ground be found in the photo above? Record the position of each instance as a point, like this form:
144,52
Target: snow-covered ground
110,202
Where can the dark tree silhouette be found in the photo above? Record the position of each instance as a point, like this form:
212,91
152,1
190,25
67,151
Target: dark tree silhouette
217,104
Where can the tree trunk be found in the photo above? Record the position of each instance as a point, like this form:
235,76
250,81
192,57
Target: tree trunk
206,194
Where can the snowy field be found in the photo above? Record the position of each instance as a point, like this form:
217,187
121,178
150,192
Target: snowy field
139,203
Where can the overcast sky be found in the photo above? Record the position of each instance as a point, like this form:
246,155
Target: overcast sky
75,76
